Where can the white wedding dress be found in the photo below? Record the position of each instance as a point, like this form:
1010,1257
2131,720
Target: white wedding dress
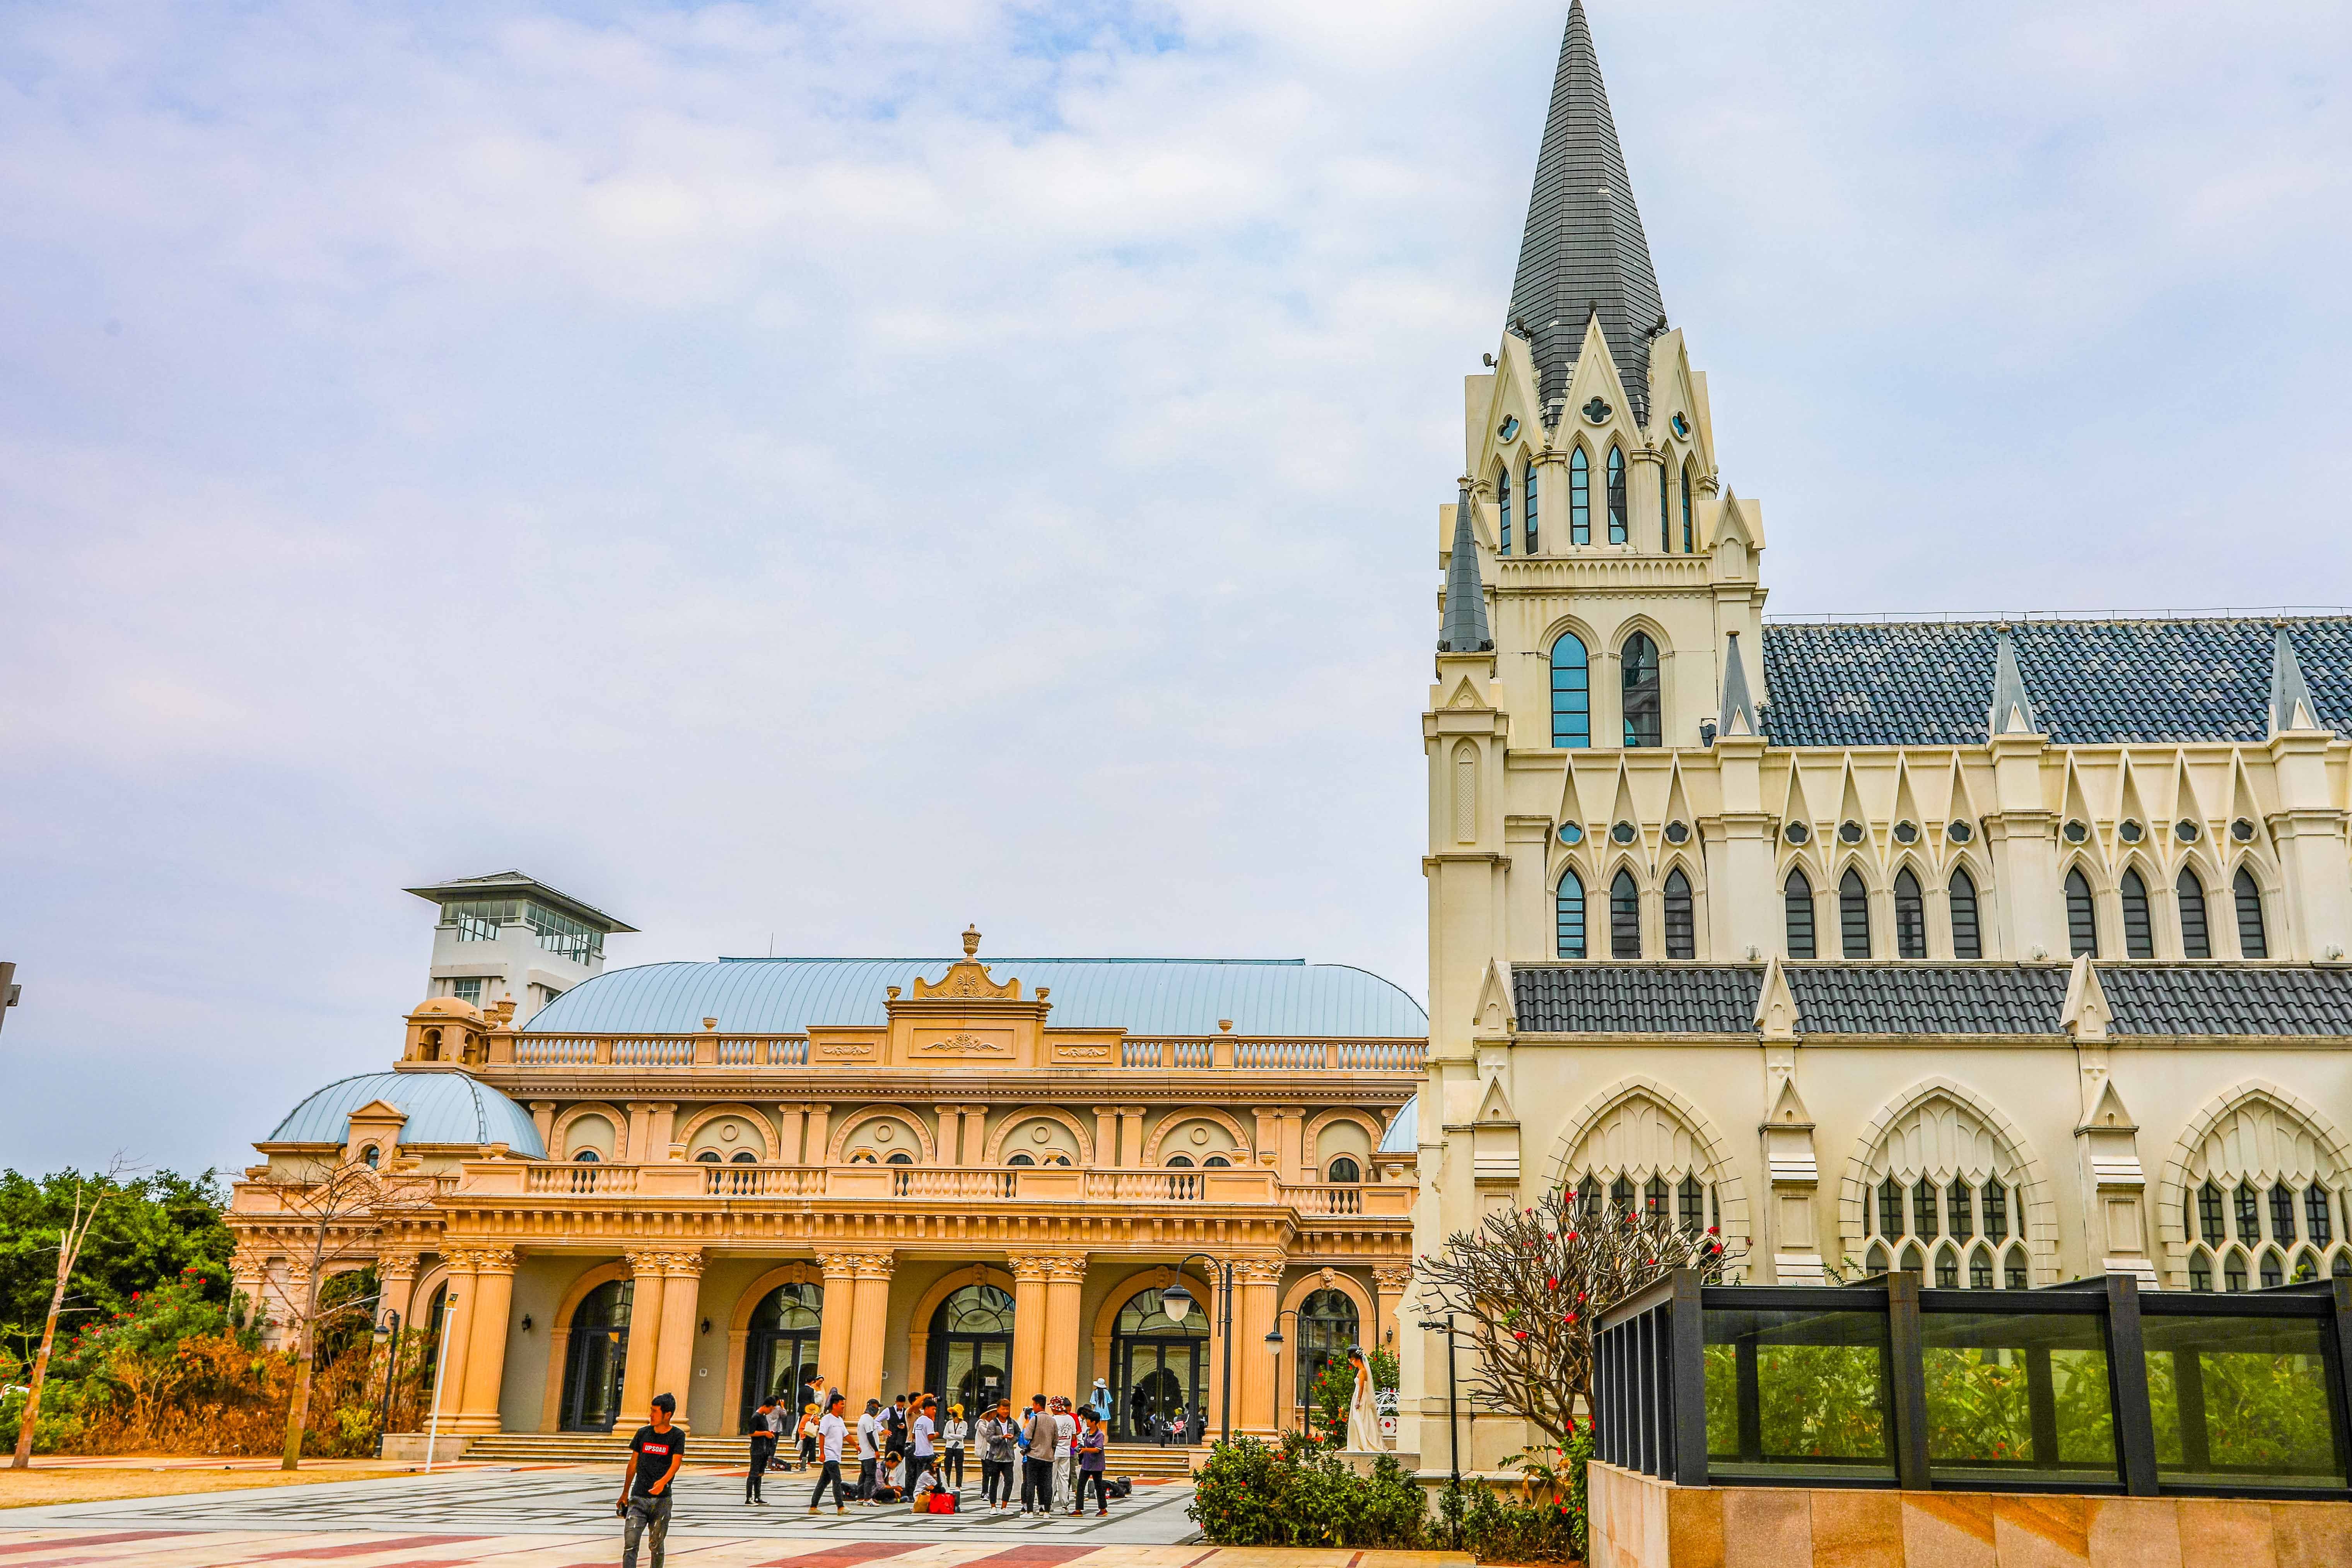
1363,1415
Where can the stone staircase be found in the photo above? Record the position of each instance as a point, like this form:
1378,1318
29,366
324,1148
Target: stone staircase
557,1449
1149,1461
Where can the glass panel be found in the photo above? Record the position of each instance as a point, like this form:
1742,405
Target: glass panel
2190,894
2139,936
1580,498
1571,935
1681,928
2250,942
2017,1397
1996,1209
1798,1394
2082,922
1853,916
1616,496
1571,692
1624,918
1910,917
2237,1399
1799,896
1503,509
1643,719
1965,941
1527,499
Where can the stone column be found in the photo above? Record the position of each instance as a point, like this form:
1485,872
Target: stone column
293,1301
1131,1136
1066,1277
645,1300
456,1333
486,1340
951,1134
869,1324
1031,1277
794,1120
1255,1283
543,1116
1390,1281
840,1270
681,1286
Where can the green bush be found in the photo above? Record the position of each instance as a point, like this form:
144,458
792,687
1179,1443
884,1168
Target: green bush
1253,1494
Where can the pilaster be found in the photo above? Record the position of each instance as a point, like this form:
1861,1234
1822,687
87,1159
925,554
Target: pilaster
1256,1284
492,1270
869,1320
1031,1276
681,1285
645,1303
1389,1282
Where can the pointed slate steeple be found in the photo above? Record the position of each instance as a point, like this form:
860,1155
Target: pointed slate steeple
2012,710
1463,628
1738,708
2291,704
1583,248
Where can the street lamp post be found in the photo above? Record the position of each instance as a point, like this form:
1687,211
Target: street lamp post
390,1331
441,1365
1452,1426
1177,1301
1273,1343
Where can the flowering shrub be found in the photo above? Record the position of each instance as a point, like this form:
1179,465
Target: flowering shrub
1251,1493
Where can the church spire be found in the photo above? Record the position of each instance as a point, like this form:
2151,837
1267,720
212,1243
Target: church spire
2012,710
1584,249
1463,628
1739,708
2291,704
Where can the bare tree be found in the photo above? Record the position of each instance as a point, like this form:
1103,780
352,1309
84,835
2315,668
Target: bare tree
71,1237
340,1211
1528,1283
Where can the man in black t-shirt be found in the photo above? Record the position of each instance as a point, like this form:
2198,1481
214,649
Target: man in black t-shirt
654,1455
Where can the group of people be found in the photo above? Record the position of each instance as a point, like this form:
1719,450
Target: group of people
912,1448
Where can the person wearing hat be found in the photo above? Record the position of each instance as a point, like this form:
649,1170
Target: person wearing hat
654,1455
1099,1401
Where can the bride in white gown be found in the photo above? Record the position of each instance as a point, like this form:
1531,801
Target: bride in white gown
1363,1414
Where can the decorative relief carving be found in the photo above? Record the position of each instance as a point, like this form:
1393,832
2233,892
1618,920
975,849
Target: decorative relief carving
856,1265
1050,1266
963,1045
845,1050
968,977
1081,1053
683,1263
395,1265
1392,1277
1259,1270
466,1260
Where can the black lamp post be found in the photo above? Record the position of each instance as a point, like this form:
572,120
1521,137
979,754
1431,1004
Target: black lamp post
1177,1302
1273,1343
390,1331
1453,1431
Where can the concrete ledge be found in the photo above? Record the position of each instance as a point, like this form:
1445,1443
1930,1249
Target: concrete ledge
1638,1522
410,1447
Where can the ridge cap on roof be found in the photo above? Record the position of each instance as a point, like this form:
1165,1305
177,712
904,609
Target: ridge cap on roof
992,959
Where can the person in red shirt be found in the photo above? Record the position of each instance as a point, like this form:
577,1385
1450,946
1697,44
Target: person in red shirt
654,1455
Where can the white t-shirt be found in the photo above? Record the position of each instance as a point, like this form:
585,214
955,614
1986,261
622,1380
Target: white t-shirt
832,1431
867,1448
923,1437
1065,1432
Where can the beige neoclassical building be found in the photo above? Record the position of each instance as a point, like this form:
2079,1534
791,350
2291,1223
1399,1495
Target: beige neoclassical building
2007,949
719,1178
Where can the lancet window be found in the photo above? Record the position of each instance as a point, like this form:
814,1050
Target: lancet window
1617,529
1527,506
1967,934
2196,937
2139,933
1643,722
2082,916
1854,915
1942,1203
2263,1203
1580,498
1686,510
1641,1157
2253,942
1570,904
1681,940
1666,510
1910,917
1624,916
1503,510
1796,895
1571,692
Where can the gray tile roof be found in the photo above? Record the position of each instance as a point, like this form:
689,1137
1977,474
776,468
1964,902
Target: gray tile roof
2092,681
1583,245
1462,625
2149,1000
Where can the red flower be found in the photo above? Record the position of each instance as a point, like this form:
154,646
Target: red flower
1569,1319
1711,1230
1552,1283
1649,1263
1571,1235
1579,1298
1518,1334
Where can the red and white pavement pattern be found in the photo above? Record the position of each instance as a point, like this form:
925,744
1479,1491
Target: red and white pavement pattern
356,1549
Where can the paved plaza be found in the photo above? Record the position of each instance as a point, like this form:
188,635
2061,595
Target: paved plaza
562,1518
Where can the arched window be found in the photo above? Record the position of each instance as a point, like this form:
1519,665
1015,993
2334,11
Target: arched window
1690,1201
1958,1203
1687,544
1642,718
1572,914
1624,918
369,1157
745,1157
585,1157
2208,1214
1179,1162
1666,510
1853,914
707,1157
1682,939
2081,918
1580,498
1216,1162
900,1158
1967,937
1020,1159
1503,508
2139,935
1980,1269
1571,692
1327,1328
1345,1170
1528,505
1942,1173
1910,917
1617,530
2196,939
1797,894
2250,942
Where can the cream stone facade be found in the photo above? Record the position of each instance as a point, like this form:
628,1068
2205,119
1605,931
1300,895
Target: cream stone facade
2007,950
714,1179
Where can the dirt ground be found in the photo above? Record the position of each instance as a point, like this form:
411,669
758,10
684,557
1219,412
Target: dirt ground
88,1481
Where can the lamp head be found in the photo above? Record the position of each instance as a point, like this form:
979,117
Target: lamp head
1176,1301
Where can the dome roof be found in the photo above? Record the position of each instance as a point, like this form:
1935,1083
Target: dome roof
1143,996
442,1108
456,1006
1404,1129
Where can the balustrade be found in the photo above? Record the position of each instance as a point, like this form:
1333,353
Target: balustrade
946,1185
751,1051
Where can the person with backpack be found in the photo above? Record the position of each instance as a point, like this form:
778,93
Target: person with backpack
1037,1466
1092,1442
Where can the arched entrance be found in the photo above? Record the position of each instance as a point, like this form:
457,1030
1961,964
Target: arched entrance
780,1349
1159,1369
1327,1328
593,1358
972,1347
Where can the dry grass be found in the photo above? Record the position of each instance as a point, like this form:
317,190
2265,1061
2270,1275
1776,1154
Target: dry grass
138,1478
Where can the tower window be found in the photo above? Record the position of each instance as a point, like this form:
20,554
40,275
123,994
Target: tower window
2139,936
1571,692
1572,914
1687,546
1642,718
1681,936
1967,938
1910,917
1580,498
468,989
1624,918
1503,509
1617,530
2251,941
2196,939
1666,510
2208,1214
1528,505
1798,895
1853,914
1996,1210
2082,919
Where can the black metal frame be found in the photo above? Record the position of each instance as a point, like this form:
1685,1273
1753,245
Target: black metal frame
1649,1374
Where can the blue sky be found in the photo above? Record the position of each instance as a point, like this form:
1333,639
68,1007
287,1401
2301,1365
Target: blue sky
831,473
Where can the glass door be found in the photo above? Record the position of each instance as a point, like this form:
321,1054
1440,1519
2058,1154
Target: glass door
970,1370
1161,1385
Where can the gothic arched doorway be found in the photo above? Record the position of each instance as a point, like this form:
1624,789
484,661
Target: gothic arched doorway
595,1353
779,1349
1159,1368
971,1349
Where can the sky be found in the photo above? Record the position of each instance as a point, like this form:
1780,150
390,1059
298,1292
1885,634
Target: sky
806,478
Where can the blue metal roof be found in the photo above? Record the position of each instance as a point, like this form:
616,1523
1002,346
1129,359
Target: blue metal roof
1404,1134
1143,996
446,1107
2092,682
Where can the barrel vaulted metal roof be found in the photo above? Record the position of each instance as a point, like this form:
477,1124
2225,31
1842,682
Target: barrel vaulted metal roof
1404,1134
445,1107
2090,682
1143,996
